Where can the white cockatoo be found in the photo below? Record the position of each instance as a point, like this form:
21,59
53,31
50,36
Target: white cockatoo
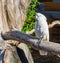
41,29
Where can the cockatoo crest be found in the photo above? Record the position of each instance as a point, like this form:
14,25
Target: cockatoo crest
40,16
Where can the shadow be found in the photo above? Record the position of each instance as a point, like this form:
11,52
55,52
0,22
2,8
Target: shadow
22,56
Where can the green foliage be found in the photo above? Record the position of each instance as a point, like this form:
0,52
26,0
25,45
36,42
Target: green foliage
29,23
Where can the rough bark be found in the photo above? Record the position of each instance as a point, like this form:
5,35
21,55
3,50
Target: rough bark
16,10
11,55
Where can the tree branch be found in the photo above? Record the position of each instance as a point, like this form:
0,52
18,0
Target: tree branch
32,41
57,22
30,32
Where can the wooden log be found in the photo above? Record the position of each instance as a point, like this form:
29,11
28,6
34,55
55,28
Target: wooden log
34,42
49,6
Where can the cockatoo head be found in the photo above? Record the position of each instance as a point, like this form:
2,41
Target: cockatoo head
40,17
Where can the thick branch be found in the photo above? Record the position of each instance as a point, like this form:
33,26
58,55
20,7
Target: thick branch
34,42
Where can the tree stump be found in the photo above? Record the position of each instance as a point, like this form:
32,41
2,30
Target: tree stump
12,17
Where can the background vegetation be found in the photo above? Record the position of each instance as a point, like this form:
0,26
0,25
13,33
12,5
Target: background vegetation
29,23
